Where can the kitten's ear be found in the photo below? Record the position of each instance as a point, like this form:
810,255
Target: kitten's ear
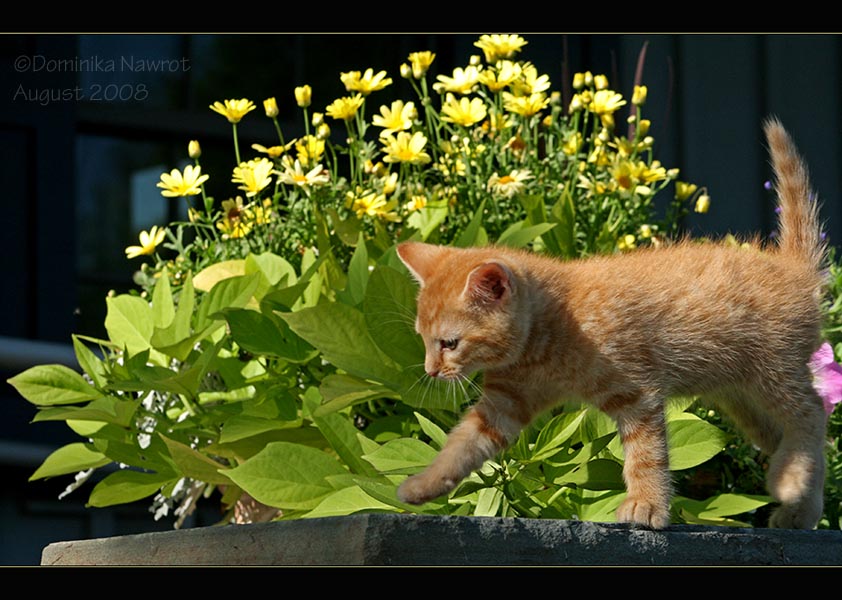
421,259
490,284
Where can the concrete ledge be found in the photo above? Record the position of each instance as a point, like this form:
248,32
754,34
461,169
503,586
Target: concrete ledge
411,540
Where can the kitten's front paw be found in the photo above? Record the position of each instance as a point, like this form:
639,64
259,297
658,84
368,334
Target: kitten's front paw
422,488
643,512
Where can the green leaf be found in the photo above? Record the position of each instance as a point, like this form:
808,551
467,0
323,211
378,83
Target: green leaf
471,235
489,501
598,474
518,235
358,274
347,501
126,486
233,292
339,332
175,340
389,309
163,309
340,433
722,505
105,410
598,505
429,218
259,334
693,441
340,391
71,458
437,435
207,278
52,385
194,464
403,455
555,434
129,322
563,214
89,362
274,268
287,476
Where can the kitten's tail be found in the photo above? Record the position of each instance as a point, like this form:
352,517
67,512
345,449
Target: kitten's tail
799,226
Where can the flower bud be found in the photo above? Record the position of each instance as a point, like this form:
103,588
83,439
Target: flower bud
578,81
303,94
643,126
588,79
702,203
271,107
323,131
406,71
639,95
193,149
318,119
600,82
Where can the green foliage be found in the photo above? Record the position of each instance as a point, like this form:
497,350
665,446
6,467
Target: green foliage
276,354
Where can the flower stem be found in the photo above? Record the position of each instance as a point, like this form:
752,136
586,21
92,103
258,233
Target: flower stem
236,143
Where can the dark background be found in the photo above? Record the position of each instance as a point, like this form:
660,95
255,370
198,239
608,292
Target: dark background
85,135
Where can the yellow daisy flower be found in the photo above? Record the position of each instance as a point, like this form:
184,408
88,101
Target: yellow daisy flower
272,151
496,47
310,149
684,190
365,83
396,118
294,174
525,105
509,185
175,183
253,176
530,82
235,221
345,108
420,62
462,82
372,204
463,111
148,242
605,102
406,148
502,75
233,110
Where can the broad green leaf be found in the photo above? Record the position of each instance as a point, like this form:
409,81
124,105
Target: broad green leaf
123,446
233,292
175,339
274,268
194,464
163,309
245,447
340,391
126,486
599,506
389,309
403,455
347,501
471,235
287,476
208,277
387,493
437,435
563,214
259,334
129,322
340,433
105,410
52,385
554,434
722,505
429,218
520,236
358,274
339,332
598,474
488,502
693,441
90,362
71,458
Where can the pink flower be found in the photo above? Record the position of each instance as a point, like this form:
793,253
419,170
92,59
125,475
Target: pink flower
827,377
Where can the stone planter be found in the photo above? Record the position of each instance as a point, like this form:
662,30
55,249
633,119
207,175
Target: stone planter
392,539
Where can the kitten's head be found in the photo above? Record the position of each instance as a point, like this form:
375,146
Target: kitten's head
469,308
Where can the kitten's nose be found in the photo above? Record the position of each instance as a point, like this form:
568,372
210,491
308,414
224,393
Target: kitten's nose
433,373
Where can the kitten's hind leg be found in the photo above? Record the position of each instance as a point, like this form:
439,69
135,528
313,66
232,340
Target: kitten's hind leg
796,471
745,409
642,428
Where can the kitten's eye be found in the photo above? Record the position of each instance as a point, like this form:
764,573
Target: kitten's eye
449,344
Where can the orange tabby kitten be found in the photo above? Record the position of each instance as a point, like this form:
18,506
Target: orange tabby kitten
627,331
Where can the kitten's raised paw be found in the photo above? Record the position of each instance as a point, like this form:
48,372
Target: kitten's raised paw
642,512
422,488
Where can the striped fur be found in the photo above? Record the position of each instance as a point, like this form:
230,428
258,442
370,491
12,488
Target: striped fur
625,332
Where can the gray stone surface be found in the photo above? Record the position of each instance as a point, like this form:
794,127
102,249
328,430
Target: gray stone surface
412,540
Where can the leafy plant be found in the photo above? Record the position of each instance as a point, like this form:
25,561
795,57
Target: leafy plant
271,356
